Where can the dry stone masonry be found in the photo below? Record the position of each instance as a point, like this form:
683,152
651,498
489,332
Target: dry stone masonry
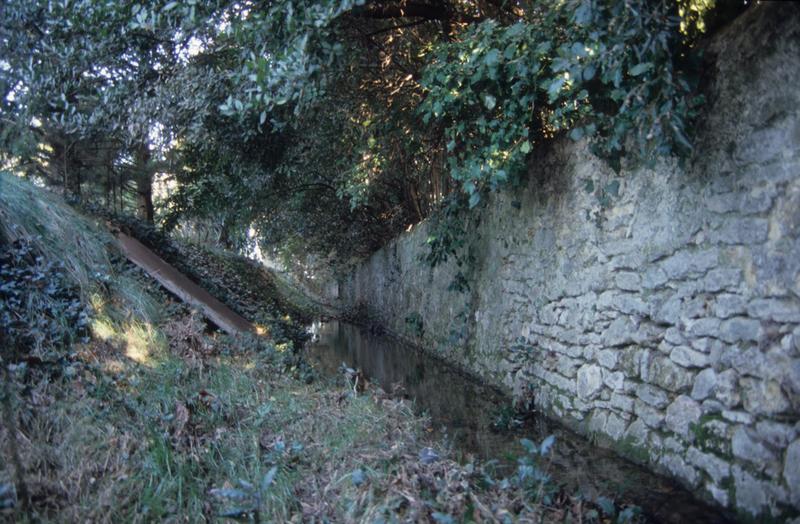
657,309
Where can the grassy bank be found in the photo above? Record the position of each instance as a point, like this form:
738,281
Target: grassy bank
120,404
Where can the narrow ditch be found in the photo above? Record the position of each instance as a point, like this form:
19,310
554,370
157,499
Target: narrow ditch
466,413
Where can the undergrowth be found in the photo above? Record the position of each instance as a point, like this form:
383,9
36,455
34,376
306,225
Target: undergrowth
157,419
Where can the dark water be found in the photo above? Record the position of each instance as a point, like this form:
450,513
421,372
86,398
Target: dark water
463,410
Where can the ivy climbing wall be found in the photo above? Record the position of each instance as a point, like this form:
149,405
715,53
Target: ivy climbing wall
657,308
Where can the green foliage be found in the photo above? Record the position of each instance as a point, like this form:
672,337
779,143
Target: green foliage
297,46
249,497
507,418
331,126
531,474
612,513
601,70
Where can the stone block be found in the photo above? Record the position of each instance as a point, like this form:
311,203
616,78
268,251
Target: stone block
637,432
629,361
727,305
777,310
615,380
619,333
763,397
652,395
668,375
716,468
740,329
676,465
704,327
776,434
704,384
654,278
727,388
631,305
791,471
688,358
615,426
695,307
589,381
670,311
597,422
720,495
651,416
607,358
702,344
628,281
674,336
566,366
621,402
722,279
711,406
681,414
751,495
738,417
688,263
749,448
742,231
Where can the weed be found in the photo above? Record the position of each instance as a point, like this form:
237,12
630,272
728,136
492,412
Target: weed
415,324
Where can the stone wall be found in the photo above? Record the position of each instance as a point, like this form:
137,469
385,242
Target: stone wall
657,309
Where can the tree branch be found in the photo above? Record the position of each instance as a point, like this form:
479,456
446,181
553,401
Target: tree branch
412,9
399,26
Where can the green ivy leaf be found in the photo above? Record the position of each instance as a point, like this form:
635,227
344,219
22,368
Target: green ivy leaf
639,69
269,478
554,87
358,476
492,58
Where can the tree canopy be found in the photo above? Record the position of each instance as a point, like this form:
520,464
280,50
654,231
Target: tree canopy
329,126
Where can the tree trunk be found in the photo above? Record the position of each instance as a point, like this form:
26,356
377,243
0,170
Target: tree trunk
63,167
225,233
144,184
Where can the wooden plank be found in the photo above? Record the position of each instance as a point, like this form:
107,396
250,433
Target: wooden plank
180,285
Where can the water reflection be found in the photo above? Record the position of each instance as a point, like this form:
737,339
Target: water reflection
463,411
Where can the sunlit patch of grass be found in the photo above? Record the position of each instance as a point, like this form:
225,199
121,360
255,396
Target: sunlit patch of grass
141,341
138,340
103,329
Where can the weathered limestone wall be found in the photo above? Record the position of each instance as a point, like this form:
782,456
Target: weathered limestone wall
658,309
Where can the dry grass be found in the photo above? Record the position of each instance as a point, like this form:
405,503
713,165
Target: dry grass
124,441
58,232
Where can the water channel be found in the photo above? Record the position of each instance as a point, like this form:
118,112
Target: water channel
463,412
